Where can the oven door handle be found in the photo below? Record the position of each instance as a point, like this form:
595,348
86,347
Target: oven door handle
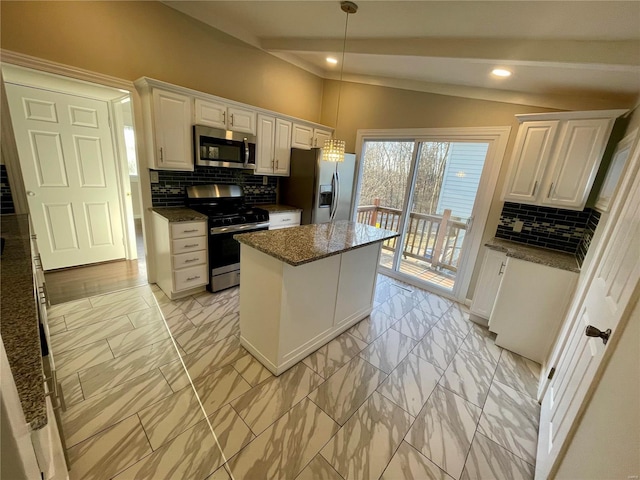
238,228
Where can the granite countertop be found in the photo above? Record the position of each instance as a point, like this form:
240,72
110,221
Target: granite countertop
543,256
179,214
273,208
308,243
19,319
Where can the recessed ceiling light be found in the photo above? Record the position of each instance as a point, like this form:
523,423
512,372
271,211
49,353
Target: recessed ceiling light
500,72
332,60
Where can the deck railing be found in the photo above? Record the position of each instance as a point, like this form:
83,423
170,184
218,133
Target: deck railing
435,239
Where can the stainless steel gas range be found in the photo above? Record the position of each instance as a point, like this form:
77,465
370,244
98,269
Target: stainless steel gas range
228,214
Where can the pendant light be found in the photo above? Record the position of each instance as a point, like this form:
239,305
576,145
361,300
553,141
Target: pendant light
333,150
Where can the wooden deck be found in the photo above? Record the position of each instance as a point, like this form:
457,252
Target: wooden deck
418,269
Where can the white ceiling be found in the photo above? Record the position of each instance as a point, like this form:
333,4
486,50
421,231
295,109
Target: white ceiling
554,48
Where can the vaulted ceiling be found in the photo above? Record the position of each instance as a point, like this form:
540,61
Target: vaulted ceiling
553,48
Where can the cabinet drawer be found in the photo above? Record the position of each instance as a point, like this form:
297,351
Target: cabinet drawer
188,229
188,245
284,219
190,277
190,259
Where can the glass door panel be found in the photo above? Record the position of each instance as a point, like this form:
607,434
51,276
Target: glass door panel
383,188
447,175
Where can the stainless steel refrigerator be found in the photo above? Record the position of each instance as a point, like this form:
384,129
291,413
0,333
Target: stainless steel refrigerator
314,186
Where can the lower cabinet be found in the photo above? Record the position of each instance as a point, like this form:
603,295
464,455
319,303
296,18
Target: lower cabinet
488,283
181,256
284,220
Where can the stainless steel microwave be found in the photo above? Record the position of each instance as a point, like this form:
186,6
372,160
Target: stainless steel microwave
223,148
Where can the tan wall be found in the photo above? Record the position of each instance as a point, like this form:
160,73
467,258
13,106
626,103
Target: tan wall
129,40
607,441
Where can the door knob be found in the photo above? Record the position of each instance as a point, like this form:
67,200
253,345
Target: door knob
594,332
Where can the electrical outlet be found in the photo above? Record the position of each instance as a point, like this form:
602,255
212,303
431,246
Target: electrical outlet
517,226
154,177
265,180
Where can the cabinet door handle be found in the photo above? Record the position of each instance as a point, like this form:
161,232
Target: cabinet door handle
224,117
161,155
535,187
196,277
502,265
273,163
231,119
550,190
276,164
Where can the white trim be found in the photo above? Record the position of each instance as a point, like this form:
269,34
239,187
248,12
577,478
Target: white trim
497,137
589,114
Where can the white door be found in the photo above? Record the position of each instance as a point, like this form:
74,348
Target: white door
69,170
608,296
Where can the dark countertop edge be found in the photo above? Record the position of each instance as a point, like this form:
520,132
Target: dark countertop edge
180,214
19,319
319,257
538,254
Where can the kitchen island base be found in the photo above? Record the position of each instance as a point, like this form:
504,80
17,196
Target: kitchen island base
288,312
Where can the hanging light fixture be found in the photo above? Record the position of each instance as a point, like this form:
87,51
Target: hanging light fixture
333,150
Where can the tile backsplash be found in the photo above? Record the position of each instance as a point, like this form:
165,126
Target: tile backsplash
590,229
546,227
170,190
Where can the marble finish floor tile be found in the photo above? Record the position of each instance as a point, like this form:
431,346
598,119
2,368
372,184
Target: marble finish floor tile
283,450
109,452
137,338
383,292
105,312
411,383
81,336
123,295
178,324
207,333
364,445
519,373
330,357
169,417
347,389
213,312
145,317
443,430
371,327
169,308
108,374
70,362
456,321
56,325
71,390
511,419
480,342
208,298
195,453
487,459
251,370
415,324
268,401
409,464
203,362
319,469
438,347
397,306
68,308
388,350
96,414
435,305
469,376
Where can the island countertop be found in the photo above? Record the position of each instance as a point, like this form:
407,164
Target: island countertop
308,243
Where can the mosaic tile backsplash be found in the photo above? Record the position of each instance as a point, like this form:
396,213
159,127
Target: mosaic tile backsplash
546,227
6,201
170,190
590,229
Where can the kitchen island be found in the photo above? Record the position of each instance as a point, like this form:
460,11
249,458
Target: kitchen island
303,286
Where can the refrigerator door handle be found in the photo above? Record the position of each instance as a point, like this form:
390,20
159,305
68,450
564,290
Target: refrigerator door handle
332,208
337,194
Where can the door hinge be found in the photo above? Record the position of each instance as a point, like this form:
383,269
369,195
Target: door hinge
551,373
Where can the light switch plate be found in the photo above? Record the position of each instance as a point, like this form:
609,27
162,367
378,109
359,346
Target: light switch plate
517,226
154,177
265,180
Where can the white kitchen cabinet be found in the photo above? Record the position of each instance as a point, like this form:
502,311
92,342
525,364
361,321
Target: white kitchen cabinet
530,306
556,157
488,283
223,116
171,133
273,146
319,137
307,137
279,220
181,256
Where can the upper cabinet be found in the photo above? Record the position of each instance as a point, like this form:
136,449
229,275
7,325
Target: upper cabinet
556,157
171,133
307,137
273,146
225,117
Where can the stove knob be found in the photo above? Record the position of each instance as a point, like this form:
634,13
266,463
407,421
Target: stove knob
243,219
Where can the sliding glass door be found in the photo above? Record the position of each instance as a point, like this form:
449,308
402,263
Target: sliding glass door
426,189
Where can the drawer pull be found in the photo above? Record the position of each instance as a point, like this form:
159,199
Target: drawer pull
190,279
190,231
502,265
190,260
191,245
285,220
